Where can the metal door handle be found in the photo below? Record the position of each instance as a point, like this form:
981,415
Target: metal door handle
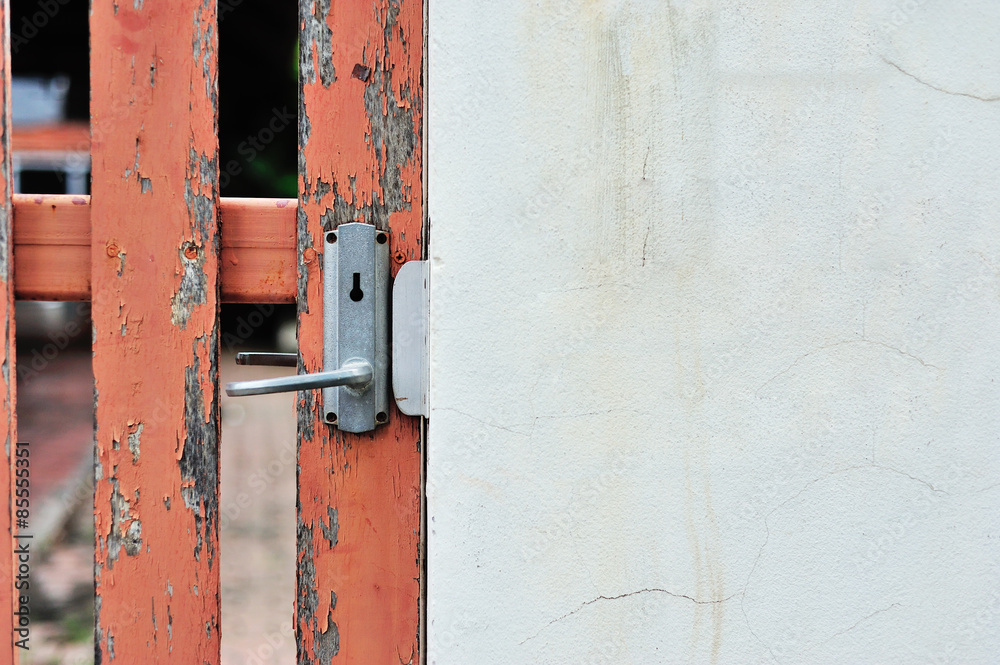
355,334
356,373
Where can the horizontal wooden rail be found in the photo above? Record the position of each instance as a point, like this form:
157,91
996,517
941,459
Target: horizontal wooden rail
52,248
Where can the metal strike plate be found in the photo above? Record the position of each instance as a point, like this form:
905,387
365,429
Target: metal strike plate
356,325
410,317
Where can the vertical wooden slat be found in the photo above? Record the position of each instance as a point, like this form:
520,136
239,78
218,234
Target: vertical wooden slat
155,272
8,420
360,142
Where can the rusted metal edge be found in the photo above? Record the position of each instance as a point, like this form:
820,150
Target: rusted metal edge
52,248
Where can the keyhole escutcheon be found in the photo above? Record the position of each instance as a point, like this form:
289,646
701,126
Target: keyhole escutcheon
356,293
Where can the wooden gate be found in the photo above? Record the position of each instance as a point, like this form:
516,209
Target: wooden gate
156,250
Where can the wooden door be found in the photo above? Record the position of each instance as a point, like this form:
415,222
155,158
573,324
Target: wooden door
157,250
361,160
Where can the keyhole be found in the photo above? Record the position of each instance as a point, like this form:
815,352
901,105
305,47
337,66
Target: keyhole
356,293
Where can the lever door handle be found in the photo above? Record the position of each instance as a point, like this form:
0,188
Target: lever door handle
355,373
355,334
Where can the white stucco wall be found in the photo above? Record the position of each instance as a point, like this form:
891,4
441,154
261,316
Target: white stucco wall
716,332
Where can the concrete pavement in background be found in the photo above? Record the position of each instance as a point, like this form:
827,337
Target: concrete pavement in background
257,522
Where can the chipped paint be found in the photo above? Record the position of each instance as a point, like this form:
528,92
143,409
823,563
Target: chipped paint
121,520
258,247
199,462
316,40
330,528
359,496
155,330
193,290
307,599
135,432
8,420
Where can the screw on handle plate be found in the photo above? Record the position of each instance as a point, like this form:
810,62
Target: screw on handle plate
355,373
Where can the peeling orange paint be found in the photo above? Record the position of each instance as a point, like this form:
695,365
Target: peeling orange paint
156,491
8,420
52,239
359,558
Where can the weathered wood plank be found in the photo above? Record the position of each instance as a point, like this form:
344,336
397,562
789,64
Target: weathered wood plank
258,250
155,267
359,558
70,136
52,248
8,420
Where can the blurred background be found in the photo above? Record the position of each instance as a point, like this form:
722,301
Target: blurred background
257,83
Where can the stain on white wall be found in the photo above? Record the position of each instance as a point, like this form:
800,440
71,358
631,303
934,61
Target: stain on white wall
715,332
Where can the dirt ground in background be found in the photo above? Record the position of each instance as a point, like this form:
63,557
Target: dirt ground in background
257,530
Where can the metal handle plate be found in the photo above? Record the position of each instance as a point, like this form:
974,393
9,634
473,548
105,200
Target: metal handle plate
355,334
